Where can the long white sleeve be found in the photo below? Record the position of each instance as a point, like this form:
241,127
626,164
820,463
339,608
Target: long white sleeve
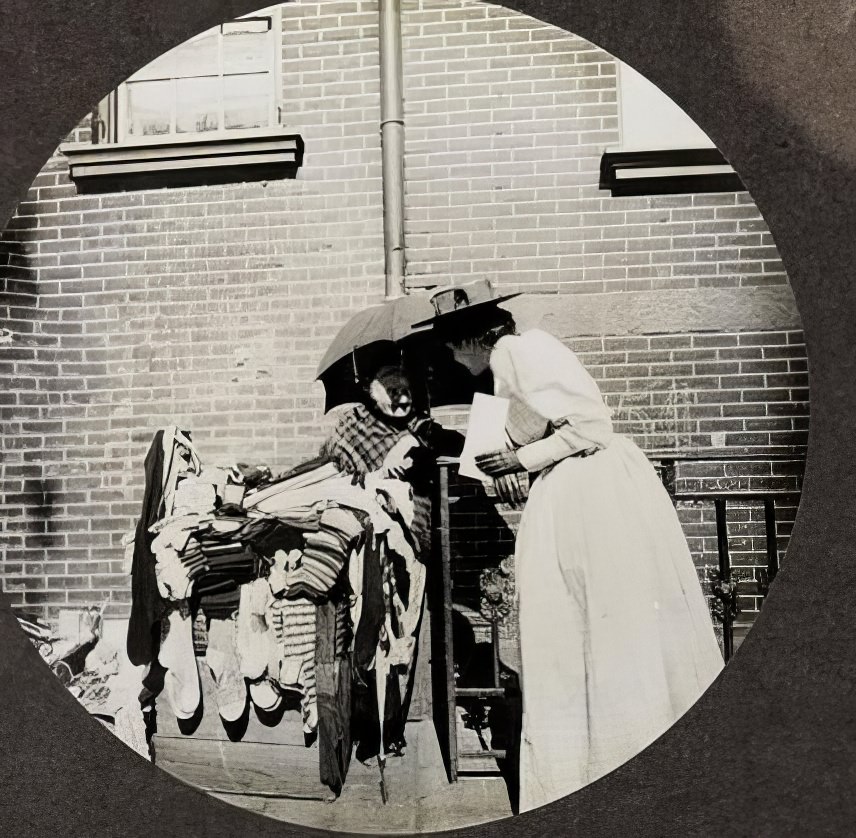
566,439
550,391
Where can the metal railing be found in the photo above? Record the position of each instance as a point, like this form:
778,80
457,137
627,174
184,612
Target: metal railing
726,587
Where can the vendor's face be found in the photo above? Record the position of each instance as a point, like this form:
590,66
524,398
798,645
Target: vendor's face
472,355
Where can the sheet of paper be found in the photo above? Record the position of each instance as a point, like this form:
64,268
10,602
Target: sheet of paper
485,433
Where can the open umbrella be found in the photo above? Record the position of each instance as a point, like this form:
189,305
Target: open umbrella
369,340
384,334
388,322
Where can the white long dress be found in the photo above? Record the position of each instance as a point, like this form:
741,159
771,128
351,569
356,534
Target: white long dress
616,638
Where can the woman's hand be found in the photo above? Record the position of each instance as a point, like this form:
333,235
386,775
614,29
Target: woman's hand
498,463
510,490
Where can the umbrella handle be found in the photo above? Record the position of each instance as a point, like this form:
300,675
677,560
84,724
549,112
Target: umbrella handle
354,364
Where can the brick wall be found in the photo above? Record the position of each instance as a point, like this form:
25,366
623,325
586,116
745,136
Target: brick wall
206,307
209,307
507,119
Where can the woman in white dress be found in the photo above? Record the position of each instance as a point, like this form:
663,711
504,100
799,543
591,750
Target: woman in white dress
616,638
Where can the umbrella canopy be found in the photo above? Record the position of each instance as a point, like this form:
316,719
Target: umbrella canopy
388,322
436,378
384,334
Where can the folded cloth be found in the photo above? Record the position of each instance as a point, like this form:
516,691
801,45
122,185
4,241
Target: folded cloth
194,494
223,524
273,536
342,521
212,584
327,542
213,548
315,575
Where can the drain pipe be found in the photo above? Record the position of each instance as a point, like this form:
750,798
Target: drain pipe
392,145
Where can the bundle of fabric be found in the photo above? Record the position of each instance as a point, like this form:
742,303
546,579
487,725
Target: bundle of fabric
170,456
325,552
386,582
311,586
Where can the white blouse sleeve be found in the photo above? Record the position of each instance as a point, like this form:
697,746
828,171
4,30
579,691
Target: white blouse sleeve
545,376
564,441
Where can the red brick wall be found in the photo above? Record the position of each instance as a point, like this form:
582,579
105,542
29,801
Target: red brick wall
209,307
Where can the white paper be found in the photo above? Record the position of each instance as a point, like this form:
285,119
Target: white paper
485,433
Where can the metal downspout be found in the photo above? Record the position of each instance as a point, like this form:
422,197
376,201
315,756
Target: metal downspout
392,145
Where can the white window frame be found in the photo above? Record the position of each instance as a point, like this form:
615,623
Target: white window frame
114,108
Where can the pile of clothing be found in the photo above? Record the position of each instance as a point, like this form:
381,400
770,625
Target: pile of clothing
310,586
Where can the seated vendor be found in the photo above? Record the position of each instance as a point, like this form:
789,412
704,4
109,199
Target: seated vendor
386,432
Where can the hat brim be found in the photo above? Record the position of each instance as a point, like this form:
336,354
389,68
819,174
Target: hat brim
465,310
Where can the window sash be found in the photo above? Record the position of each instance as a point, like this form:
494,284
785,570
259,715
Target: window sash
114,116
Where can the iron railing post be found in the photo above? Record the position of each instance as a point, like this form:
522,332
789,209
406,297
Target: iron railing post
724,575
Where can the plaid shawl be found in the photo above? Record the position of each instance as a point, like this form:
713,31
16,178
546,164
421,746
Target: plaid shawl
361,440
359,444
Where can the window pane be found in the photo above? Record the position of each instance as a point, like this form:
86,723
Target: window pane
247,52
162,67
247,100
198,57
197,106
149,108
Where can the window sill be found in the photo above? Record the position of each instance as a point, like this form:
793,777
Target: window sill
668,172
119,167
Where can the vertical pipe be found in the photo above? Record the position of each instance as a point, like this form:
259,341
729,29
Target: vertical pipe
392,144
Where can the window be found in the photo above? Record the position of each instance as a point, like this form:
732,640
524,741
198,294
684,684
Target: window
224,80
206,111
661,150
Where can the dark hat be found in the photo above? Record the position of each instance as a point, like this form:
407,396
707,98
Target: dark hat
453,301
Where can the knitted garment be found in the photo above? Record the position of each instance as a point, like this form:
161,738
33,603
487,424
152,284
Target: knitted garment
292,663
325,553
176,654
254,637
223,661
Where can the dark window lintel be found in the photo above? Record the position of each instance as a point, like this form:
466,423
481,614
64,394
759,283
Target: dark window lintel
617,170
110,167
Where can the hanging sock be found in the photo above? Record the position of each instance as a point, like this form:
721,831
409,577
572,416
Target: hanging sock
181,682
265,695
254,637
292,663
222,657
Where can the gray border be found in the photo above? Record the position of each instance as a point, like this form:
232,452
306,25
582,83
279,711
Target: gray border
771,748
